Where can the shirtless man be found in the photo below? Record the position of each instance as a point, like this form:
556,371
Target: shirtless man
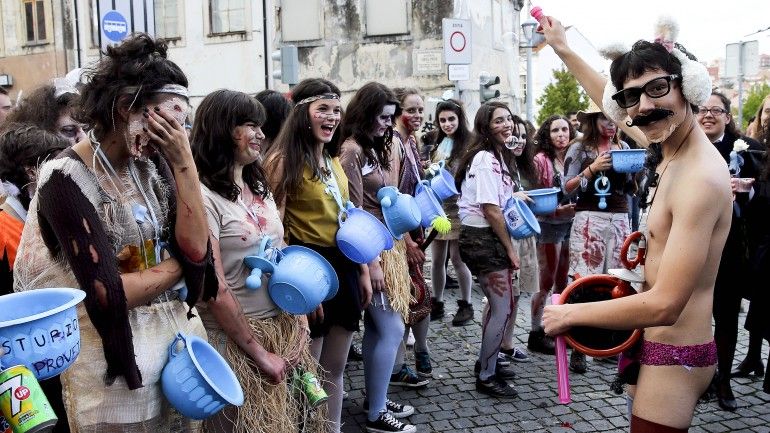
687,223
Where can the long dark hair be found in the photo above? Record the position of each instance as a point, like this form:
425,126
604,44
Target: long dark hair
524,163
295,145
140,61
360,119
462,136
43,108
277,109
24,145
482,140
543,141
213,147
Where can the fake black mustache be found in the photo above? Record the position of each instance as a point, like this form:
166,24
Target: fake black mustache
654,115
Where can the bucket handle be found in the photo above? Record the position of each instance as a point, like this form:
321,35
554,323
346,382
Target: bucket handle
348,206
172,352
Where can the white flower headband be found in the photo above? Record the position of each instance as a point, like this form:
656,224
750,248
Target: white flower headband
696,87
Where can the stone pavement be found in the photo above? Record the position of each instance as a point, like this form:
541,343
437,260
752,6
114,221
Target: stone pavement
450,402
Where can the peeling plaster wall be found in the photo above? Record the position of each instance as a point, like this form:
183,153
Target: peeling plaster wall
349,58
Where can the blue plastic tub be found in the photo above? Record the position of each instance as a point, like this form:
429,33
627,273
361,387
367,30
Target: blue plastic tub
40,330
197,380
443,183
545,200
428,202
520,220
628,160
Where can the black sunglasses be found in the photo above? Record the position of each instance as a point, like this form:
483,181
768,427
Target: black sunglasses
655,88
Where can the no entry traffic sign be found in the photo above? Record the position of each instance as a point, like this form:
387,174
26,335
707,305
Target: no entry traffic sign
457,41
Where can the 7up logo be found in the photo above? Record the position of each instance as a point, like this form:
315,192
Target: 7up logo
18,392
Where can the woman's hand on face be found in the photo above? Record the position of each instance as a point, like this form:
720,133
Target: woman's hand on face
273,366
376,276
168,135
555,319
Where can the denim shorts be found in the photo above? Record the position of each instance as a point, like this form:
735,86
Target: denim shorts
482,251
553,233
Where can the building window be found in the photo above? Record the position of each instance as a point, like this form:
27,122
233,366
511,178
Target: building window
301,20
227,16
167,19
34,18
387,18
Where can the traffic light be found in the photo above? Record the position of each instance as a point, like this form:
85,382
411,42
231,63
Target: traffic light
288,64
485,82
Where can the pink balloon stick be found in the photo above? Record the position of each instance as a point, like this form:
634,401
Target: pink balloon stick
562,369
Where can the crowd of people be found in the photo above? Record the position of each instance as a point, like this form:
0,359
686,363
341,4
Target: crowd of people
111,185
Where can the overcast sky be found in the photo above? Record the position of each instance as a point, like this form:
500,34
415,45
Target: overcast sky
705,27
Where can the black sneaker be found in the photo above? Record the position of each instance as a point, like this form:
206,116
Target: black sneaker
501,371
407,377
386,423
464,314
539,342
423,364
396,409
495,387
436,309
577,362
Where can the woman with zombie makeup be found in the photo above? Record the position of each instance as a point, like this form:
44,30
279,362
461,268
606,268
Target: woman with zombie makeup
51,107
408,171
366,157
310,188
106,220
551,142
519,157
245,325
486,185
451,139
597,232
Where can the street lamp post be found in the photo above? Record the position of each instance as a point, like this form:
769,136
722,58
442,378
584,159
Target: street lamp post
527,29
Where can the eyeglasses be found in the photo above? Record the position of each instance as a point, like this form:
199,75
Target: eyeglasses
655,88
715,111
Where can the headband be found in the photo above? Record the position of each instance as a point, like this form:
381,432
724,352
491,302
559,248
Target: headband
175,89
317,97
696,87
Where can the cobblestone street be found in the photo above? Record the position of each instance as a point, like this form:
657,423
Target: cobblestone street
450,402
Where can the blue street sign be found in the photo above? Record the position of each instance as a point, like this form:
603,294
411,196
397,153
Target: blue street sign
114,26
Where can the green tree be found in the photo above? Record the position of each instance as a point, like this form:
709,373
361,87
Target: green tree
754,99
561,96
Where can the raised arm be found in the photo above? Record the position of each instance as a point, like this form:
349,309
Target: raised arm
592,81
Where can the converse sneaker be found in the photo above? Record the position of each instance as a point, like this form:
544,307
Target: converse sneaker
503,359
423,364
515,355
407,377
386,423
396,409
495,387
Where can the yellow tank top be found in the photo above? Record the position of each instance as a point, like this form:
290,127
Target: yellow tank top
311,214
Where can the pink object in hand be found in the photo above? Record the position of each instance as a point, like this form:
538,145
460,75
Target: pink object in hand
536,13
562,368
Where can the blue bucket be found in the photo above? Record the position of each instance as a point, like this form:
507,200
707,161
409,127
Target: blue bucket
300,278
400,211
197,380
442,183
628,160
361,236
520,220
430,206
545,200
40,330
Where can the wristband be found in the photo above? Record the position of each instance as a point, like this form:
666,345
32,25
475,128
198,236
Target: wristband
591,171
